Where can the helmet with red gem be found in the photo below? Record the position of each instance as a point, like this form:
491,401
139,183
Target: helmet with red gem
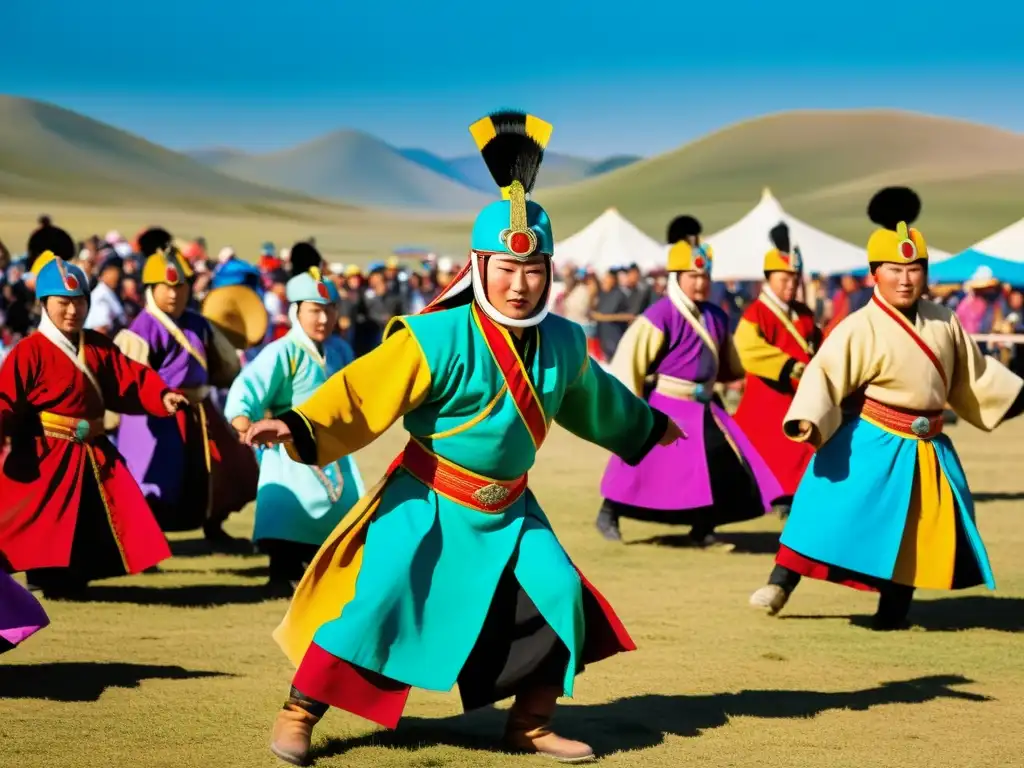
164,262
894,209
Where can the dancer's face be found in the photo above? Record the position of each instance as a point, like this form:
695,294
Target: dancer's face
67,313
783,285
514,287
317,320
696,285
901,284
171,299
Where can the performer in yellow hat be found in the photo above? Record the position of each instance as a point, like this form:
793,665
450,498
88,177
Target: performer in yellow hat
193,470
775,339
884,504
682,344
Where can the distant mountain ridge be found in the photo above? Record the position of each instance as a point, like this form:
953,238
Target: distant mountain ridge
359,168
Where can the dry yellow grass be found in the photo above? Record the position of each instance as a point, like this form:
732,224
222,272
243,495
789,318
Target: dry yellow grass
146,677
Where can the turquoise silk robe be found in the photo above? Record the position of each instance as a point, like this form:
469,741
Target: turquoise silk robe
294,501
403,586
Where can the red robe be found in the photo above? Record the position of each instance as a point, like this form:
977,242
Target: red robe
54,489
769,351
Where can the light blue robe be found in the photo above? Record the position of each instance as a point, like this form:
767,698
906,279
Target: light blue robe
294,502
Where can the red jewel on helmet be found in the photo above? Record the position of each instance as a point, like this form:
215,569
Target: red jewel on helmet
322,290
171,275
907,249
698,262
71,283
519,243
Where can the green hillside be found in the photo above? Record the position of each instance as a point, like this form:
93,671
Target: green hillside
52,154
358,168
823,167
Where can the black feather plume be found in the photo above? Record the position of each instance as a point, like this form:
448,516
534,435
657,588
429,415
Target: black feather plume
154,239
684,228
512,155
779,236
50,238
892,205
303,257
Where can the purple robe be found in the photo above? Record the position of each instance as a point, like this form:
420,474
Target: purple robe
676,477
168,456
21,615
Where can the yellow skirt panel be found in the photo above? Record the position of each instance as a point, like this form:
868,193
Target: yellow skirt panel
928,551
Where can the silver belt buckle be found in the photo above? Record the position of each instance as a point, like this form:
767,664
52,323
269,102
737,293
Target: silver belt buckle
920,426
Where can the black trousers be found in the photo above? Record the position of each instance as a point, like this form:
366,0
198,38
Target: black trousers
894,600
288,559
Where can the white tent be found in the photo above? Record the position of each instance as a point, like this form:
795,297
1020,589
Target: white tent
1006,244
739,249
610,240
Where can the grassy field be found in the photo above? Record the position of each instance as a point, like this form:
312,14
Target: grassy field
178,669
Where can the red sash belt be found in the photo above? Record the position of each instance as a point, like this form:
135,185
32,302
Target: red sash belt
483,494
922,425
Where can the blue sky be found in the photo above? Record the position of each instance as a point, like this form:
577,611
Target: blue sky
614,77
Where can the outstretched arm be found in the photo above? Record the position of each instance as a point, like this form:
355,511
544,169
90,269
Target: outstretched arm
763,359
840,368
600,409
258,387
355,406
131,387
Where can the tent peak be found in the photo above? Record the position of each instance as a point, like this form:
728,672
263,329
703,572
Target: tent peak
766,194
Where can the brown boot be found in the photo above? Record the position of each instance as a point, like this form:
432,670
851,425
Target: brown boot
527,729
293,730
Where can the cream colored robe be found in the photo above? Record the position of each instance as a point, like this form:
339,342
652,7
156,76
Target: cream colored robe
867,350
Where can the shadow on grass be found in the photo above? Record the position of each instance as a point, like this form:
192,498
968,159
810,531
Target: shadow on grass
253,571
84,680
746,542
200,547
640,722
189,596
998,496
951,614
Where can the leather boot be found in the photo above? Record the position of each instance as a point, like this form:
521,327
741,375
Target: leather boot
527,728
293,731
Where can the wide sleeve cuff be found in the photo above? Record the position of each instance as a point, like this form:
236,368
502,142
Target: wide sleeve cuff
303,445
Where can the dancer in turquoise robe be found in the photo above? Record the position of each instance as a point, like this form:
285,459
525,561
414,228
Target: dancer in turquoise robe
297,505
448,570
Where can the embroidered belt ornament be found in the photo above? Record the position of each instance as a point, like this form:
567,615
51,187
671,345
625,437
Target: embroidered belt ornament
920,426
520,240
491,495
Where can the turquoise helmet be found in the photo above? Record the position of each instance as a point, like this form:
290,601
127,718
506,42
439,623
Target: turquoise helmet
310,286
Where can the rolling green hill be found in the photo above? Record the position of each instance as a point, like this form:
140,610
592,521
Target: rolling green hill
52,154
823,167
357,168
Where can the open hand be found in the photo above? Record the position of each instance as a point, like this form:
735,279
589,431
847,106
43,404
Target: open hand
672,433
174,402
267,432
